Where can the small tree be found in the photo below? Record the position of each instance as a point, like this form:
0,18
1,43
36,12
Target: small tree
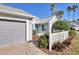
53,8
74,8
60,13
68,10
61,25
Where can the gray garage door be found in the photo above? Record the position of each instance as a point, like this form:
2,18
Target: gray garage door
11,32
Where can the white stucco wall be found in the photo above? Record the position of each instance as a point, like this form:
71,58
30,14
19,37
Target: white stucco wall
29,30
40,28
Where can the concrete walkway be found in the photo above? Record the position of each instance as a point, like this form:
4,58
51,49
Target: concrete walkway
21,49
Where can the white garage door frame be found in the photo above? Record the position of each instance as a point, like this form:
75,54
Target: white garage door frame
29,30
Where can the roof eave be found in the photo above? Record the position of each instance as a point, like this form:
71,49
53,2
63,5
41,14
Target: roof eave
3,11
43,22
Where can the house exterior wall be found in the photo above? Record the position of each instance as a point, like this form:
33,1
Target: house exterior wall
47,27
39,29
33,27
29,30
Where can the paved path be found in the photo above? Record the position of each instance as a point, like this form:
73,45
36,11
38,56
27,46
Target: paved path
21,49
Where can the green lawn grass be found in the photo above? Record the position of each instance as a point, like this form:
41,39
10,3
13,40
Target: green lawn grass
74,50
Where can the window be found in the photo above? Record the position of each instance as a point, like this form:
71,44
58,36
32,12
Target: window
43,27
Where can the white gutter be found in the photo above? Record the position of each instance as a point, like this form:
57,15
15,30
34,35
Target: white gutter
3,11
12,18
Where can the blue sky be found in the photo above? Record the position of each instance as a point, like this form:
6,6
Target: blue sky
42,10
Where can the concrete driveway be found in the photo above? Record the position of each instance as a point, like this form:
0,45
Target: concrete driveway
21,49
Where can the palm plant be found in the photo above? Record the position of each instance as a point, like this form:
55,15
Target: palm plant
60,13
53,9
74,8
68,10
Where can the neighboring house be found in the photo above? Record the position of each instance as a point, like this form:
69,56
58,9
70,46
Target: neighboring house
75,25
42,25
15,25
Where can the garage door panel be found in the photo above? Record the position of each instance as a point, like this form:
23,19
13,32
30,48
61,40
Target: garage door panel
11,32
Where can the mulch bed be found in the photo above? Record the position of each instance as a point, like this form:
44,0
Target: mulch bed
35,37
54,52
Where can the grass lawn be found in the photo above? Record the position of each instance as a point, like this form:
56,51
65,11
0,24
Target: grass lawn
74,48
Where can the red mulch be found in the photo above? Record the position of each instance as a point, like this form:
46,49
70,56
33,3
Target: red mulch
35,37
54,52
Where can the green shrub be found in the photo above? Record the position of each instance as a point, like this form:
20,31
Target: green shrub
34,32
72,28
43,41
61,25
58,46
72,33
46,35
